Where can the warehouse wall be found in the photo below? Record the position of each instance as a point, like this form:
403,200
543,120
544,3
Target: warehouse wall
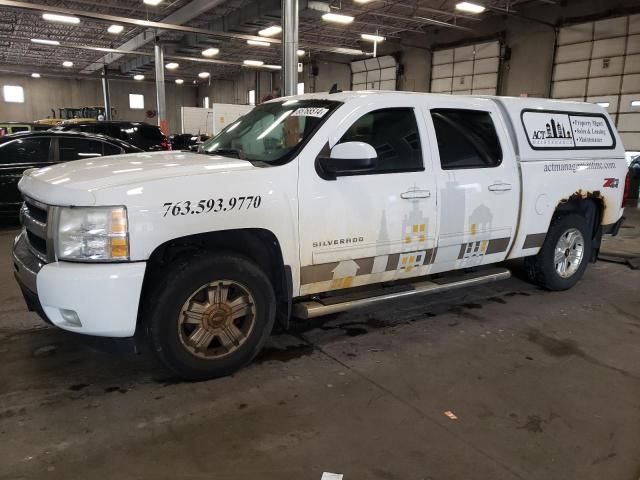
43,94
236,88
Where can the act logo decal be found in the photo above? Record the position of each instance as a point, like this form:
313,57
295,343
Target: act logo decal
611,183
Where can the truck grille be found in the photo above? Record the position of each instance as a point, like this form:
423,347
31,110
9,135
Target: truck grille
34,217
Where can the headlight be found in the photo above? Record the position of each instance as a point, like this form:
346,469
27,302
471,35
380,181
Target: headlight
93,234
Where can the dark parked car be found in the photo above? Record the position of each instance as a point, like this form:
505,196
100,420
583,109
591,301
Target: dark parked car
187,141
21,151
142,135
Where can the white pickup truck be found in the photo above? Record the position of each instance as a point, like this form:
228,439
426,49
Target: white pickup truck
316,204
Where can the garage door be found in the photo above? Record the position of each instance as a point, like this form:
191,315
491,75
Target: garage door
600,62
472,69
374,74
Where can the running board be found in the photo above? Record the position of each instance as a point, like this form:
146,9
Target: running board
317,307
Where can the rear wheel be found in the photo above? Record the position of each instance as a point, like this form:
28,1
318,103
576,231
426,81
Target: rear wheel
211,316
564,255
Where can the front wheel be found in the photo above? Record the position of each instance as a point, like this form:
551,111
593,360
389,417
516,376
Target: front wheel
211,315
564,255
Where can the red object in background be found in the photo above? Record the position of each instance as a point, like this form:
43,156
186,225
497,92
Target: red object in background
165,144
625,195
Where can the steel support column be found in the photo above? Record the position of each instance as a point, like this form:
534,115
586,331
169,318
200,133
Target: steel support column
163,123
289,46
106,93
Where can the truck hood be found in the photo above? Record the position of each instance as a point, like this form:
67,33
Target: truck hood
73,183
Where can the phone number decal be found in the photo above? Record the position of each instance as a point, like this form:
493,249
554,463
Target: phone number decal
211,205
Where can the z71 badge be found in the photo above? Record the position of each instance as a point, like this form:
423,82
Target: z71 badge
611,183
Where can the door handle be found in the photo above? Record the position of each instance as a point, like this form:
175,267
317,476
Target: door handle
500,187
413,194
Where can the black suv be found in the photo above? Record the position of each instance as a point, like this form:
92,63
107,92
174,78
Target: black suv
143,135
21,151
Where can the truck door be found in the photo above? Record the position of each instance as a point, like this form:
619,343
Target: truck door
478,182
375,225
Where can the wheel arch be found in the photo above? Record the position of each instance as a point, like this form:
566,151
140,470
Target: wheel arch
592,206
261,246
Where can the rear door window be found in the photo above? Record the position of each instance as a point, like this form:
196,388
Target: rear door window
110,149
27,150
78,148
466,139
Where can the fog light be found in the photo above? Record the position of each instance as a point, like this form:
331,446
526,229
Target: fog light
70,317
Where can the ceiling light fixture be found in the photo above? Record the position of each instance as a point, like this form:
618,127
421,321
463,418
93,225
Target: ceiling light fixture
53,17
603,104
301,53
635,103
172,65
210,52
138,77
204,74
470,7
179,81
270,31
115,29
258,43
67,64
273,67
152,2
44,41
372,38
35,75
337,18
253,63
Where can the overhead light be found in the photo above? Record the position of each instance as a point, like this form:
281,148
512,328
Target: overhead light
603,104
67,64
179,81
270,31
152,2
204,74
337,18
635,103
138,77
470,7
362,1
273,67
348,51
44,41
35,75
172,65
258,43
115,29
210,52
253,63
300,53
372,38
53,17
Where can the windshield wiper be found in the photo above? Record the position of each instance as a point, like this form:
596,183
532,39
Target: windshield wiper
228,151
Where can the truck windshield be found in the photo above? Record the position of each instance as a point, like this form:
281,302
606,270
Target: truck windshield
272,132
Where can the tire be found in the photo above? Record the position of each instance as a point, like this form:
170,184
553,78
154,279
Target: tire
543,268
210,315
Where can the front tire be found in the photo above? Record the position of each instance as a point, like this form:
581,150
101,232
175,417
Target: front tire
210,315
564,255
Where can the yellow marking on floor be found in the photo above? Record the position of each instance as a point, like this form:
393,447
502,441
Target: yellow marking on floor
422,227
473,228
407,239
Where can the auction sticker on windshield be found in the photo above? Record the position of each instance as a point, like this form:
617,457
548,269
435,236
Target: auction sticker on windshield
317,112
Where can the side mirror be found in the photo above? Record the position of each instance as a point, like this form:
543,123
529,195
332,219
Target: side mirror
349,158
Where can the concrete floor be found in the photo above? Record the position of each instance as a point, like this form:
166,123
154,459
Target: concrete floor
544,386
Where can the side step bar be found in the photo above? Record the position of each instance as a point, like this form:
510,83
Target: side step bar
317,307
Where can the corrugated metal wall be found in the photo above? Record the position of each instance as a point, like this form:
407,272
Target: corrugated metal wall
600,62
472,69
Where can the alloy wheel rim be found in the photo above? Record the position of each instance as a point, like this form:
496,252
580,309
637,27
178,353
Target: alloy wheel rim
217,319
569,253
